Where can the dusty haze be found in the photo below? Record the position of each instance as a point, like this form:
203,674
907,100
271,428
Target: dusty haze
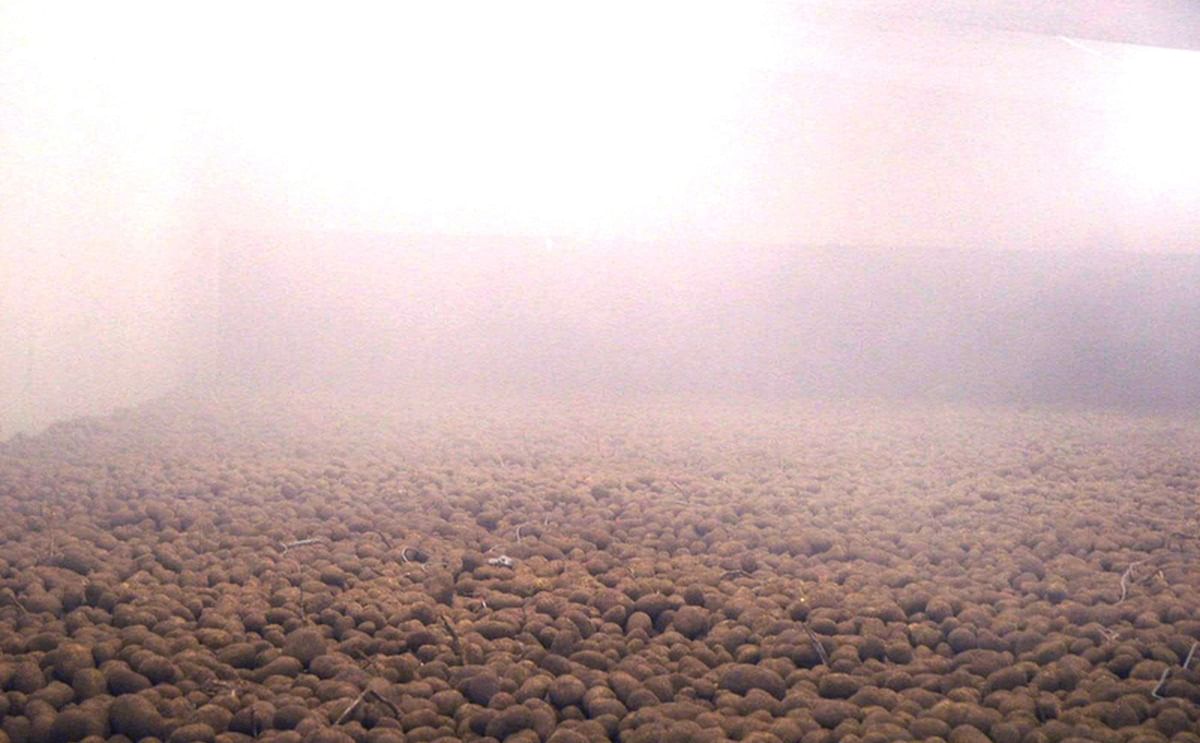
563,372
785,199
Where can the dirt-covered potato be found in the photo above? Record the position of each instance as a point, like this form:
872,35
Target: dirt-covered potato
523,572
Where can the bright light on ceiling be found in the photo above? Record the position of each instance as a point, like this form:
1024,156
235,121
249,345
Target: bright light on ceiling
1156,121
562,117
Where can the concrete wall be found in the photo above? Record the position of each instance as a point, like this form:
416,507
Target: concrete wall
97,230
352,311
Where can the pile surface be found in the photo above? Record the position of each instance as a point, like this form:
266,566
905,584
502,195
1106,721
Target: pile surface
303,569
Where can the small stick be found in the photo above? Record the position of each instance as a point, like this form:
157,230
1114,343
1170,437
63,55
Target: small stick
455,641
366,662
385,701
1125,579
11,597
519,527
368,692
1188,660
386,542
298,543
1161,680
817,645
353,706
1109,634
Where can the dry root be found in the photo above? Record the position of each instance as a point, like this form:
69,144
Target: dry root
1125,579
8,597
455,641
1162,680
285,546
368,693
816,643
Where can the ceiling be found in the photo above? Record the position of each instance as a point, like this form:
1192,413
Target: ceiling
1161,23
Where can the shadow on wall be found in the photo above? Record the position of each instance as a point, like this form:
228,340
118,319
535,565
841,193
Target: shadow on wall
388,313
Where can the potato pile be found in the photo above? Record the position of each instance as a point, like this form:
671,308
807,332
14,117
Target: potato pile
305,568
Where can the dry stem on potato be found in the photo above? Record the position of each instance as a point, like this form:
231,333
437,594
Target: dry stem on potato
816,643
368,693
385,702
1161,680
1167,671
8,596
349,710
455,641
1188,660
1125,579
285,546
416,557
383,537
